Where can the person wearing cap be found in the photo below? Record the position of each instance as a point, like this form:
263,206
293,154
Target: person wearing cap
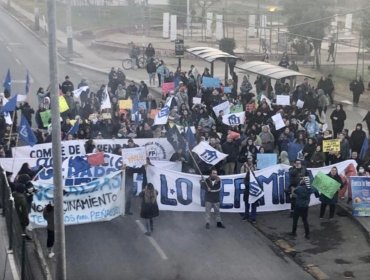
67,85
303,195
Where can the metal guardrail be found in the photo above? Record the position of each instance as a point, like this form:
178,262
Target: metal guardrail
24,253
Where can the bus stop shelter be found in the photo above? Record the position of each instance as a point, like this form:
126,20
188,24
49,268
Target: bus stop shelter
210,55
270,70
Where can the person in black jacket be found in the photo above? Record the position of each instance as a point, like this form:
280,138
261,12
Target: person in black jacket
303,194
252,206
296,173
149,206
67,85
357,87
357,139
212,188
231,148
338,116
367,120
48,215
325,201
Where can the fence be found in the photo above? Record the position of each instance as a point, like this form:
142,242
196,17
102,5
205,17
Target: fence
25,256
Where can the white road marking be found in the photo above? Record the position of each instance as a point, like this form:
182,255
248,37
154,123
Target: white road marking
152,241
8,48
21,81
4,242
17,60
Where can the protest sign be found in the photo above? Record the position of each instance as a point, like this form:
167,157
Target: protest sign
227,89
325,184
45,117
208,82
266,160
237,108
167,87
234,119
225,107
197,100
125,104
278,121
332,145
63,105
361,196
106,116
134,157
283,100
300,104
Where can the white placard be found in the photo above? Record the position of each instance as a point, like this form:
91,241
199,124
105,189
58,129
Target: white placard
283,100
300,103
278,121
197,100
134,157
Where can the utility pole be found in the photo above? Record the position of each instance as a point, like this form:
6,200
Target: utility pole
188,17
69,28
60,251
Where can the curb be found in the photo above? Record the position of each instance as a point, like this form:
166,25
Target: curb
357,221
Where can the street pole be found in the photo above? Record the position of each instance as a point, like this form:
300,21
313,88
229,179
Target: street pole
37,16
60,253
188,17
69,28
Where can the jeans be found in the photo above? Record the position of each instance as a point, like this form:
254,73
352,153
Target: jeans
229,168
253,213
50,239
331,210
216,208
301,212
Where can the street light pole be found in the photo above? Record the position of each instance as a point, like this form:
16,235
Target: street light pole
69,28
60,254
188,17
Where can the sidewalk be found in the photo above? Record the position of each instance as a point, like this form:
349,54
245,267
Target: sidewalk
8,269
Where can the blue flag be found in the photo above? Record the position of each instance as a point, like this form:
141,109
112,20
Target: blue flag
8,81
190,139
364,148
74,129
26,133
79,164
10,105
27,89
175,138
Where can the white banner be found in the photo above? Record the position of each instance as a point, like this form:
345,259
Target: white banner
234,119
283,100
225,106
69,148
181,191
99,200
134,157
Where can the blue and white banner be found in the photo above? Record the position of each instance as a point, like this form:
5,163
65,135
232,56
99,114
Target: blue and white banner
234,119
181,191
162,116
208,154
360,196
97,201
255,189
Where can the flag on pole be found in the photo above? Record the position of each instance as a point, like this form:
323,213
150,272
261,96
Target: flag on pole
10,105
234,119
95,159
162,116
255,189
77,92
7,84
27,89
74,129
190,139
26,133
175,138
79,164
364,148
208,154
105,102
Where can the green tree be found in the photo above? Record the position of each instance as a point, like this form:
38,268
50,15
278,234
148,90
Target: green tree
307,20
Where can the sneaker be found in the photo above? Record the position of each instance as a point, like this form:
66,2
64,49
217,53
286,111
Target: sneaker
148,233
207,226
51,254
220,225
245,219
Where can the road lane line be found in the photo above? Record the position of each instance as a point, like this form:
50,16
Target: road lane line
17,60
8,48
152,241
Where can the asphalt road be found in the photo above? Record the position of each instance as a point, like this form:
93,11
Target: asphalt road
180,247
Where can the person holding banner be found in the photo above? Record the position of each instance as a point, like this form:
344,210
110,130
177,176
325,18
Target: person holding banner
212,188
325,201
149,206
251,217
